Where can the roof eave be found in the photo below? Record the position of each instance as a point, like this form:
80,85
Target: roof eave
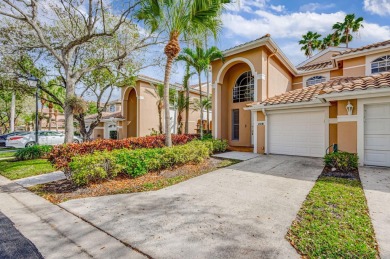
317,102
358,94
360,52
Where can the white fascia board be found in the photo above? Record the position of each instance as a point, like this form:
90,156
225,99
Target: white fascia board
155,81
245,47
358,94
361,53
314,103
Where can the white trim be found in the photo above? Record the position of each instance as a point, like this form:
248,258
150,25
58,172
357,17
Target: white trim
266,131
360,123
99,128
254,122
326,75
314,103
333,120
344,68
368,93
298,83
319,54
370,59
347,118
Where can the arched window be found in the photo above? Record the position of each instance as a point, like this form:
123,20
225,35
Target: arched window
315,80
381,64
244,88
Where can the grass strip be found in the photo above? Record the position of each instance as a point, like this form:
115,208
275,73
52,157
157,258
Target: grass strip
334,222
13,169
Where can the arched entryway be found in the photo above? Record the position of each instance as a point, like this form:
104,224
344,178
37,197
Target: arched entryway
237,87
131,113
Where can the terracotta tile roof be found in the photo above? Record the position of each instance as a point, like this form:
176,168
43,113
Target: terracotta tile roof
367,47
337,85
315,66
106,115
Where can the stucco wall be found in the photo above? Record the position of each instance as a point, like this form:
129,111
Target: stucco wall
280,80
354,66
341,107
347,136
148,112
260,134
325,57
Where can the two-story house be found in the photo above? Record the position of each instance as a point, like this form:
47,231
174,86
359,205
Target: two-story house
339,96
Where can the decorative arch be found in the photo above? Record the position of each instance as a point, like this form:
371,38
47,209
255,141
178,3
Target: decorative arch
381,64
130,112
233,62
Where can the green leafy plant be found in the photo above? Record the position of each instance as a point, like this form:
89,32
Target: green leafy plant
33,152
342,161
107,164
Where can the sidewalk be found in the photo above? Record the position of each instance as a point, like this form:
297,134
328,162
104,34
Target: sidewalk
54,231
40,179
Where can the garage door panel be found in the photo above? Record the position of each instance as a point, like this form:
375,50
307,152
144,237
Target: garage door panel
377,134
301,134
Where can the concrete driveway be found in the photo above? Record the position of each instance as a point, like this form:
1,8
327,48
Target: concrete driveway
376,184
240,211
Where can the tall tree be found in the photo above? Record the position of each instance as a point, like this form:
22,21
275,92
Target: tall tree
310,42
186,86
65,34
200,59
331,40
347,27
179,18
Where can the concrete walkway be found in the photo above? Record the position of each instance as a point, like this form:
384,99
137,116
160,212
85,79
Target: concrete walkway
41,179
237,155
376,184
55,232
243,211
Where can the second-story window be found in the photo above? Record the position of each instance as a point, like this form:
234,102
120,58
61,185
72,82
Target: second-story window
315,80
381,64
112,108
243,90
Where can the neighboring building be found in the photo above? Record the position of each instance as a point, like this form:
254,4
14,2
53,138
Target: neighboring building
52,119
339,96
136,113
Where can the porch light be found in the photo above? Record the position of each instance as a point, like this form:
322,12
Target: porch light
349,108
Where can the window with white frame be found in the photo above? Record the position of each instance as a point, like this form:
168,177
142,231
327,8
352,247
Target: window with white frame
244,88
112,108
315,80
381,64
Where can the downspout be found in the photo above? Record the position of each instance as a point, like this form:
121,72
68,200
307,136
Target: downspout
268,59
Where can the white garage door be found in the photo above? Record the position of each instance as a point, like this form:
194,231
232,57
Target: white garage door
300,134
377,134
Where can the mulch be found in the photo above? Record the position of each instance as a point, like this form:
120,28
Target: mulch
328,172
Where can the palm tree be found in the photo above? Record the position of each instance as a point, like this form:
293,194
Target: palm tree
200,60
181,105
310,42
179,18
347,27
331,40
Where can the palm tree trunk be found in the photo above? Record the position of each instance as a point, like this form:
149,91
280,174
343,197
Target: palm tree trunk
208,96
201,105
187,107
347,36
168,68
160,127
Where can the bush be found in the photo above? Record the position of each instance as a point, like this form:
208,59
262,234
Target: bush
61,155
342,161
217,145
33,152
106,164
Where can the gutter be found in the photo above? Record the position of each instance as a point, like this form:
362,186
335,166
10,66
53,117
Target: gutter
315,103
356,93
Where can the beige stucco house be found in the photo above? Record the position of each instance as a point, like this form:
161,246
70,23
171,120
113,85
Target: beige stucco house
136,114
339,96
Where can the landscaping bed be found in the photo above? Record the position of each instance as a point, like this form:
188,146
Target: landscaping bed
61,191
13,169
334,220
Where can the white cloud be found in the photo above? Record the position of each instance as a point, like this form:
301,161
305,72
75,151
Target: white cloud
287,26
278,8
380,7
246,5
311,7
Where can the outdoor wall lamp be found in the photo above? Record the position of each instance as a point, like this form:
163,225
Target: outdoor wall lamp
349,108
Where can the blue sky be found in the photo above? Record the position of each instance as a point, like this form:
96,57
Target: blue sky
286,21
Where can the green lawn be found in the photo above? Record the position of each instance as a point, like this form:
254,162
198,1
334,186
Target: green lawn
21,169
334,222
7,154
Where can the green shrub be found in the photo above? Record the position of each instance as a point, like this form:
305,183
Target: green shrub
342,161
91,168
34,152
107,164
216,145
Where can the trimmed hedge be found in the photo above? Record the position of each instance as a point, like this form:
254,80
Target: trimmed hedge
34,152
105,164
342,161
61,155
